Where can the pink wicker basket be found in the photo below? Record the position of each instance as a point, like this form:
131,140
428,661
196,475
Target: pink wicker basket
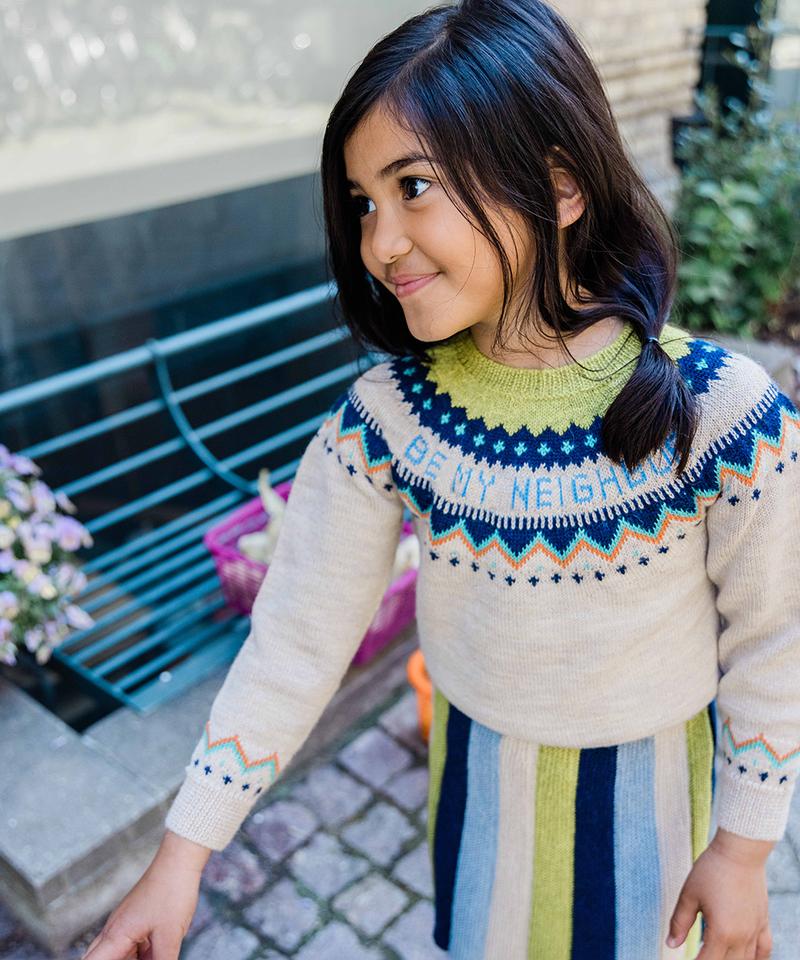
240,576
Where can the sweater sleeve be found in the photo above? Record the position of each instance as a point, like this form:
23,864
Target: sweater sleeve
753,559
331,565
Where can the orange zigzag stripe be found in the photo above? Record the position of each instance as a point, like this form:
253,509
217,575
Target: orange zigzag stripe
759,741
236,743
763,444
354,436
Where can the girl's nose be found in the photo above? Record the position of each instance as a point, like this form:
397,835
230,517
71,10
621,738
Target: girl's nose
389,240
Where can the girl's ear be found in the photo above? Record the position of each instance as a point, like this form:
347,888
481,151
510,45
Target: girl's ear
569,198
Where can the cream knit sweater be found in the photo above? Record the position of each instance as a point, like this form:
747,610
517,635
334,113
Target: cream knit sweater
560,598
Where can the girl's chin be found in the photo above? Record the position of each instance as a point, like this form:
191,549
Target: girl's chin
428,332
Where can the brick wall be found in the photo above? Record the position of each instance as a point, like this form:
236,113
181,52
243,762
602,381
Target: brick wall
648,54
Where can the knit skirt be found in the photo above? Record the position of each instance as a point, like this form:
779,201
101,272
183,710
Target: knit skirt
558,853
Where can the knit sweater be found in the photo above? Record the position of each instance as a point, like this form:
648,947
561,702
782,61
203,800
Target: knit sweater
560,597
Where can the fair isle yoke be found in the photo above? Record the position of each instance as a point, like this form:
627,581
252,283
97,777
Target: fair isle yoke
561,598
563,468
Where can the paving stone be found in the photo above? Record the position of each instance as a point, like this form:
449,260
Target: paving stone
380,834
235,872
280,828
375,757
784,921
80,944
283,914
332,795
26,950
371,903
409,789
783,869
324,866
414,870
336,942
221,940
8,924
411,936
402,722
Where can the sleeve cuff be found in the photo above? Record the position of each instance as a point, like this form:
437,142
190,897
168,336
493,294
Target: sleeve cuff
206,815
751,810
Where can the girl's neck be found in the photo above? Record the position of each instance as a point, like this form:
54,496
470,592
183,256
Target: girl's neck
537,352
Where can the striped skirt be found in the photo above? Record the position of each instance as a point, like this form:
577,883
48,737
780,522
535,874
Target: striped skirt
558,853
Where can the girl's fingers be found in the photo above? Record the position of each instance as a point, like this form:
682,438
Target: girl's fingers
166,945
764,944
111,946
683,917
713,949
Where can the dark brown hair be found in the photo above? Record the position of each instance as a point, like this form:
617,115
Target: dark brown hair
492,89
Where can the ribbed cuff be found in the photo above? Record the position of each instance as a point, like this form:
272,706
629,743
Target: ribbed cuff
206,815
757,812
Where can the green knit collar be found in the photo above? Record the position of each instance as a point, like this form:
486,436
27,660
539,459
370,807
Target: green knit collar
590,373
573,393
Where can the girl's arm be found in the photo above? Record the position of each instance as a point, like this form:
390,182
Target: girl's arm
331,566
754,560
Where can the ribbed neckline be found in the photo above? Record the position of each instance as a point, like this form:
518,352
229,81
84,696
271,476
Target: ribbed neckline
597,372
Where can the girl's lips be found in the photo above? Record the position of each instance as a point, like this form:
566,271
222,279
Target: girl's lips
405,289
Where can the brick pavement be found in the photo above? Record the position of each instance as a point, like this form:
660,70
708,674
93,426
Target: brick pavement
333,865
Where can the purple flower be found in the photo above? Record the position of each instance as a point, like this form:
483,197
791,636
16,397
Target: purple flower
8,601
64,502
7,653
69,533
19,494
77,617
43,499
24,465
33,638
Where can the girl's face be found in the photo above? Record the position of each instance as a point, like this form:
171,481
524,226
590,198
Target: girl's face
410,228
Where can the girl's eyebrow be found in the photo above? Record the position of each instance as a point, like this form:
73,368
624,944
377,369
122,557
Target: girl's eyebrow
394,166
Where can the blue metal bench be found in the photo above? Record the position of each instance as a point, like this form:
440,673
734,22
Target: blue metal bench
161,623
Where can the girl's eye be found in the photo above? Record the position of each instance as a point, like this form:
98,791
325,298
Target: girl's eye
405,181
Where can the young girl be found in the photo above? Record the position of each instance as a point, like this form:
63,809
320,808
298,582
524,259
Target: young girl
608,508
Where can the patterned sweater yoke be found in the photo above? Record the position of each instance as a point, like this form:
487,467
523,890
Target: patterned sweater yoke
562,598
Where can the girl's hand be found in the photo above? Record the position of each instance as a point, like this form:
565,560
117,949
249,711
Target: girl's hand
152,920
728,884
